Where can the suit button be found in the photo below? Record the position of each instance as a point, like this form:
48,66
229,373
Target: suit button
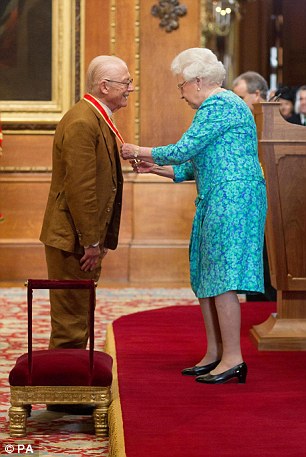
107,210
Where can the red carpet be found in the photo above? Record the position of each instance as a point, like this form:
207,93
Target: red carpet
166,414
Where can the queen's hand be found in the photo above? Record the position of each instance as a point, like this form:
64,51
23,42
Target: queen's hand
140,166
129,151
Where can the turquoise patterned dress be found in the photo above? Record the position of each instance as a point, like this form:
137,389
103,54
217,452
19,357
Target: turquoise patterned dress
219,152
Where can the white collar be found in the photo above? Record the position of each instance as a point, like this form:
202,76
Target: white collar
106,108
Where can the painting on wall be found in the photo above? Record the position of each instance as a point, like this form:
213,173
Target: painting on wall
39,71
25,49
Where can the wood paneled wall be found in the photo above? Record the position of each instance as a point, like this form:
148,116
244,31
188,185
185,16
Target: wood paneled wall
294,42
277,23
157,214
24,187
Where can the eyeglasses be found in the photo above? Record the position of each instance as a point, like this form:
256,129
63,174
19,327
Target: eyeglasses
181,85
125,83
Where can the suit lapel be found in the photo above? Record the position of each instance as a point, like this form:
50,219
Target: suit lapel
110,140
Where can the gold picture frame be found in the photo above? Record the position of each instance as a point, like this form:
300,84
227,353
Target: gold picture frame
62,71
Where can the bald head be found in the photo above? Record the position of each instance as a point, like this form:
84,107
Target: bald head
109,80
103,67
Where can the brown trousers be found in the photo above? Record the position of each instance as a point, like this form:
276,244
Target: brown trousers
69,308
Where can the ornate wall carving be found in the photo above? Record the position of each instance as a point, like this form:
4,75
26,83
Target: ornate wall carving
169,13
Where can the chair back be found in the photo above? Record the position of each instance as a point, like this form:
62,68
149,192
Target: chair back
61,284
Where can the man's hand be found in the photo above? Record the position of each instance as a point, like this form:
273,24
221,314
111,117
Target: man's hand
91,257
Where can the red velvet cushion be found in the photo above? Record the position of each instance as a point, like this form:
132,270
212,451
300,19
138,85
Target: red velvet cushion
62,367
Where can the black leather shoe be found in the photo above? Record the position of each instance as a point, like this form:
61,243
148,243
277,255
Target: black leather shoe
239,372
197,370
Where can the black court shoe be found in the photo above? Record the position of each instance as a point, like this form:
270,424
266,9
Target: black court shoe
239,372
200,370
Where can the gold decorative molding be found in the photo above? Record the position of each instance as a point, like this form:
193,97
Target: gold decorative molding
113,8
25,169
36,115
113,26
23,397
203,19
169,11
137,71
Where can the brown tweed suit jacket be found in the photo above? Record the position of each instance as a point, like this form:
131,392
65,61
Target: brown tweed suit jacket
84,204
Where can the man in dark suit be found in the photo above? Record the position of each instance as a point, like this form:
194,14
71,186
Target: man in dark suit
253,88
299,117
83,211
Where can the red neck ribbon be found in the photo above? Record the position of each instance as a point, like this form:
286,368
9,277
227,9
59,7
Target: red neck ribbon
93,101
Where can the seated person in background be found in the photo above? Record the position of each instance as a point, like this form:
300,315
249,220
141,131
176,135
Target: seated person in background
287,104
251,87
299,117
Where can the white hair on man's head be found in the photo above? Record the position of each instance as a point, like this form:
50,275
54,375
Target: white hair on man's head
297,104
102,67
199,62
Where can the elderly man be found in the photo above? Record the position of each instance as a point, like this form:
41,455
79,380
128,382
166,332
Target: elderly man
83,211
251,87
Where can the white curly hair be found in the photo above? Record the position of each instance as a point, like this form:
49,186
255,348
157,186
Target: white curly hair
201,63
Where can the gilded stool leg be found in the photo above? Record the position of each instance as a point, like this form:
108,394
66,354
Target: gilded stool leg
100,416
18,420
